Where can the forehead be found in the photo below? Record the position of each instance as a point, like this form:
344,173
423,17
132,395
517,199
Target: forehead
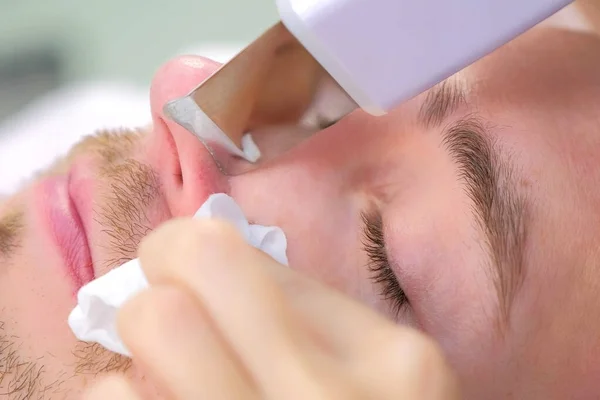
541,94
544,69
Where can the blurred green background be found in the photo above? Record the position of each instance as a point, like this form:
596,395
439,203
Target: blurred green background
47,44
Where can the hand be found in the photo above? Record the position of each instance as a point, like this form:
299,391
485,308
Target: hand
223,320
591,12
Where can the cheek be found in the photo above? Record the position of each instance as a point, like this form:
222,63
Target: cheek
327,248
36,299
320,219
452,298
442,266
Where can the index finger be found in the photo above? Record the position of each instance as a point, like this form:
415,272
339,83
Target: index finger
211,259
269,313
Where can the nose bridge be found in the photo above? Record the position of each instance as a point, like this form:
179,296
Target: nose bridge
279,193
329,164
340,147
348,148
342,150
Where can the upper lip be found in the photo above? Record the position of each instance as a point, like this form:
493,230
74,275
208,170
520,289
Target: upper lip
201,171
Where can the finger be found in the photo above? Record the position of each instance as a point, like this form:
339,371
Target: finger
171,337
372,345
341,323
409,365
246,304
114,388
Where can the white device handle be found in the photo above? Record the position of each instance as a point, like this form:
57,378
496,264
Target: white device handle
383,52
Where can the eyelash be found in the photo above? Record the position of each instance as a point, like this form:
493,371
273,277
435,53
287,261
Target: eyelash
379,267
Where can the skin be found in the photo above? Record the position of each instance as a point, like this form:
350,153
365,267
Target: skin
194,342
539,95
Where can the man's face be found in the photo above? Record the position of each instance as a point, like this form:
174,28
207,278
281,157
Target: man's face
471,212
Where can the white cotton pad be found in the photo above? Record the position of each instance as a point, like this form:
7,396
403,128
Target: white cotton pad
94,317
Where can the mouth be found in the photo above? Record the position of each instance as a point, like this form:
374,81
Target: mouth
66,230
67,205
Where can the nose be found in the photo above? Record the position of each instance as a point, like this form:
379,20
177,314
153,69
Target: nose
315,192
292,189
186,170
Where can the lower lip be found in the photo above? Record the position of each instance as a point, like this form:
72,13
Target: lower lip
66,230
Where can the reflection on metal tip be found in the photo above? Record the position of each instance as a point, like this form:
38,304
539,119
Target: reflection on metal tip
186,113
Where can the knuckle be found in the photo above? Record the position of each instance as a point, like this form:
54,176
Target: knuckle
215,238
180,247
193,232
414,352
418,364
131,317
112,385
343,390
153,312
184,234
170,304
431,373
425,353
206,236
164,235
218,229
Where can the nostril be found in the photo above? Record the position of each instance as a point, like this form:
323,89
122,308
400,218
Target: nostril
174,163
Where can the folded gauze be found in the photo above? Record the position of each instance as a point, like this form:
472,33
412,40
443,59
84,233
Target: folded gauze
94,317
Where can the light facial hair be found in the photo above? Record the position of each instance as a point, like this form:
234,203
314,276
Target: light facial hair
11,226
133,188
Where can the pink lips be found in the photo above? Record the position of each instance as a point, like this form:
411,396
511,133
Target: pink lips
66,230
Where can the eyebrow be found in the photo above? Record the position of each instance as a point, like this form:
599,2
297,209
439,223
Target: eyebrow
489,177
